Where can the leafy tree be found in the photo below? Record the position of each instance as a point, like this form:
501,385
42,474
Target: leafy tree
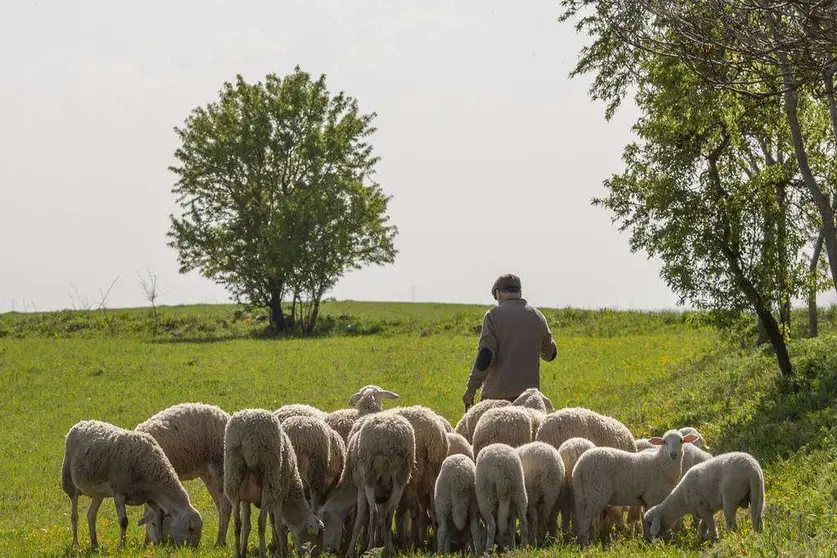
276,192
708,189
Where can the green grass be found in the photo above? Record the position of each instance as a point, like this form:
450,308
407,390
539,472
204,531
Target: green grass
653,371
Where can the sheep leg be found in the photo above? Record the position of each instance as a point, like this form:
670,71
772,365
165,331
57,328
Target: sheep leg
533,518
521,504
707,526
476,533
245,527
360,518
236,509
95,502
729,513
487,512
565,504
443,538
213,480
262,524
386,519
119,503
74,517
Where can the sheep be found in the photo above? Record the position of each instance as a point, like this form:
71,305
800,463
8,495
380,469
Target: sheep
534,399
431,450
468,422
342,421
192,437
602,430
644,444
537,419
104,461
457,444
311,439
700,443
456,502
570,451
609,476
501,494
369,399
727,482
380,460
298,410
260,468
543,474
508,425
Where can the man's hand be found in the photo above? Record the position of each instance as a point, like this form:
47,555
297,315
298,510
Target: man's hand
468,399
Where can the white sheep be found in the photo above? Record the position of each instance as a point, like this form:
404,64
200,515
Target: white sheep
456,502
369,399
609,476
342,421
501,495
468,422
508,425
192,437
311,439
104,461
570,451
298,410
700,442
602,430
727,482
534,399
260,468
543,474
380,459
643,444
457,444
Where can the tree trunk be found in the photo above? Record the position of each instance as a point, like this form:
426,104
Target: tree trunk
777,341
277,313
821,202
813,326
315,312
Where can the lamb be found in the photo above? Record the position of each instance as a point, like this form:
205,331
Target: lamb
501,495
609,476
534,399
509,425
469,420
700,443
311,439
380,459
570,451
104,461
369,399
727,482
192,437
560,426
457,444
456,502
260,468
298,410
644,444
543,474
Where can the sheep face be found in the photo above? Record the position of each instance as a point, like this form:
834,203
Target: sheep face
654,526
308,534
672,443
186,527
332,530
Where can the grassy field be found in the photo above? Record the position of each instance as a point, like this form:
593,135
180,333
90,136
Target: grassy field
651,370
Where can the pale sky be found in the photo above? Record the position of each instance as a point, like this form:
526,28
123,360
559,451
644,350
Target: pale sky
490,151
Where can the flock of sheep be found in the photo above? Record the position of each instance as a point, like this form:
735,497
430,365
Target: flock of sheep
328,478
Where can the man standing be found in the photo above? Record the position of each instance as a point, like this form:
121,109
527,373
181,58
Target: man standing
514,335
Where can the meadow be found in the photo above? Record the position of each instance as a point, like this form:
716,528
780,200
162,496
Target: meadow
651,370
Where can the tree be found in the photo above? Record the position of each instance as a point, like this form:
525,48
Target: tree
755,48
708,189
276,192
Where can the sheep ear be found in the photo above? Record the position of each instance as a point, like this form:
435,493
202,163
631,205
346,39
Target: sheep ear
384,394
691,438
655,527
655,441
149,516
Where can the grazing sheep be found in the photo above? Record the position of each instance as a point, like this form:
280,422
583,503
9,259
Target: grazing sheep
457,444
342,421
727,482
570,451
104,461
543,474
508,425
311,440
604,431
609,476
468,422
298,410
534,399
260,468
192,437
380,460
537,419
456,502
501,495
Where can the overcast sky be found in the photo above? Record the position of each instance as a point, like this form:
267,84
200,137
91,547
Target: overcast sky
490,151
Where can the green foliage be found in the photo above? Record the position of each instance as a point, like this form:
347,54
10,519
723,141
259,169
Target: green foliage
276,192
653,371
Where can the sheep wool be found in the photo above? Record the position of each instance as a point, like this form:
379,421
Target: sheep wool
456,503
501,495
